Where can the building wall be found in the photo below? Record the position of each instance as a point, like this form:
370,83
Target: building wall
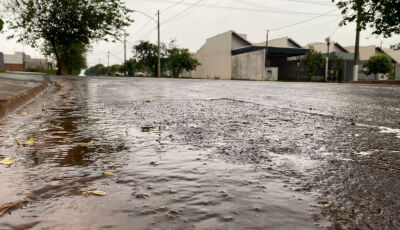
35,64
215,58
251,66
1,60
17,58
14,67
397,72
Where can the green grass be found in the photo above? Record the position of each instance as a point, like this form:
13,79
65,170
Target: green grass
2,70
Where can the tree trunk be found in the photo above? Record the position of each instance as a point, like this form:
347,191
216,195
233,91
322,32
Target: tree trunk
58,59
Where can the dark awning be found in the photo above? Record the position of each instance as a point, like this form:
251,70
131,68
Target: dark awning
272,51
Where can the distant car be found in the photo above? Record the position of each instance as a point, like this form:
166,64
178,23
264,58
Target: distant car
140,74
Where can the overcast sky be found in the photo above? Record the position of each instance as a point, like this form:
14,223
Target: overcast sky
191,22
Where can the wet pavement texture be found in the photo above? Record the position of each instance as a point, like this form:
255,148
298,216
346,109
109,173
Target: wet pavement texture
199,154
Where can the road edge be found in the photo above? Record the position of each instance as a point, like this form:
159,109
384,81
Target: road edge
12,103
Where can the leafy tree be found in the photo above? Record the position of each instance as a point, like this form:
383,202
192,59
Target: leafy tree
62,23
75,59
314,61
336,67
114,69
131,66
179,60
97,70
380,64
381,15
146,54
395,47
1,24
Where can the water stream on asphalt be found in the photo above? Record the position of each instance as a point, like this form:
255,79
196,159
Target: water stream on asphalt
185,155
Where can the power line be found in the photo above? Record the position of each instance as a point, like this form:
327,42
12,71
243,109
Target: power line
172,6
183,11
301,22
264,9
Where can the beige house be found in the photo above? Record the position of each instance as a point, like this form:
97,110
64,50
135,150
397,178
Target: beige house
215,56
323,47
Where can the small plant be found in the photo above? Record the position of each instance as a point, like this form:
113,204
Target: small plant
2,70
314,61
217,78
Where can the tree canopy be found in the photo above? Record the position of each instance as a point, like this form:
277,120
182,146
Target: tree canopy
97,70
1,24
314,61
380,64
146,54
179,60
61,24
382,16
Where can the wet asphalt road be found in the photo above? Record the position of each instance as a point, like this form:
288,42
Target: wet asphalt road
199,154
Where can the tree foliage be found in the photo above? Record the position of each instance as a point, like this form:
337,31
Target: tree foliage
1,24
131,66
97,70
381,15
179,60
395,47
314,61
336,68
380,64
61,24
146,54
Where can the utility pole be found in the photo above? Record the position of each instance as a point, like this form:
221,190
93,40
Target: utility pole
266,50
108,61
357,48
328,42
159,45
125,52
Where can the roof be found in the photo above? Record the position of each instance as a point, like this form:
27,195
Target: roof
278,42
322,47
272,51
368,51
394,54
241,38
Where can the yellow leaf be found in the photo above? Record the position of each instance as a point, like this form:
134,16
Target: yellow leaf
7,161
31,141
90,143
97,192
108,173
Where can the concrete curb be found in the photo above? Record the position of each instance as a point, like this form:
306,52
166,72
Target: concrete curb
12,103
390,82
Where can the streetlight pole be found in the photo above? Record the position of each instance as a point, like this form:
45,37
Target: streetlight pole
328,42
159,38
159,45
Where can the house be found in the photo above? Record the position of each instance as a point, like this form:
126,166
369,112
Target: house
230,56
22,62
14,62
366,52
394,54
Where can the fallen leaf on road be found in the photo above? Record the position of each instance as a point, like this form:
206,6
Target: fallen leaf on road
31,141
7,161
94,192
148,101
23,113
8,207
90,143
108,173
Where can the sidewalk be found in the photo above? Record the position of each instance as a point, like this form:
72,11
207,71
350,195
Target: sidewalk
17,89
